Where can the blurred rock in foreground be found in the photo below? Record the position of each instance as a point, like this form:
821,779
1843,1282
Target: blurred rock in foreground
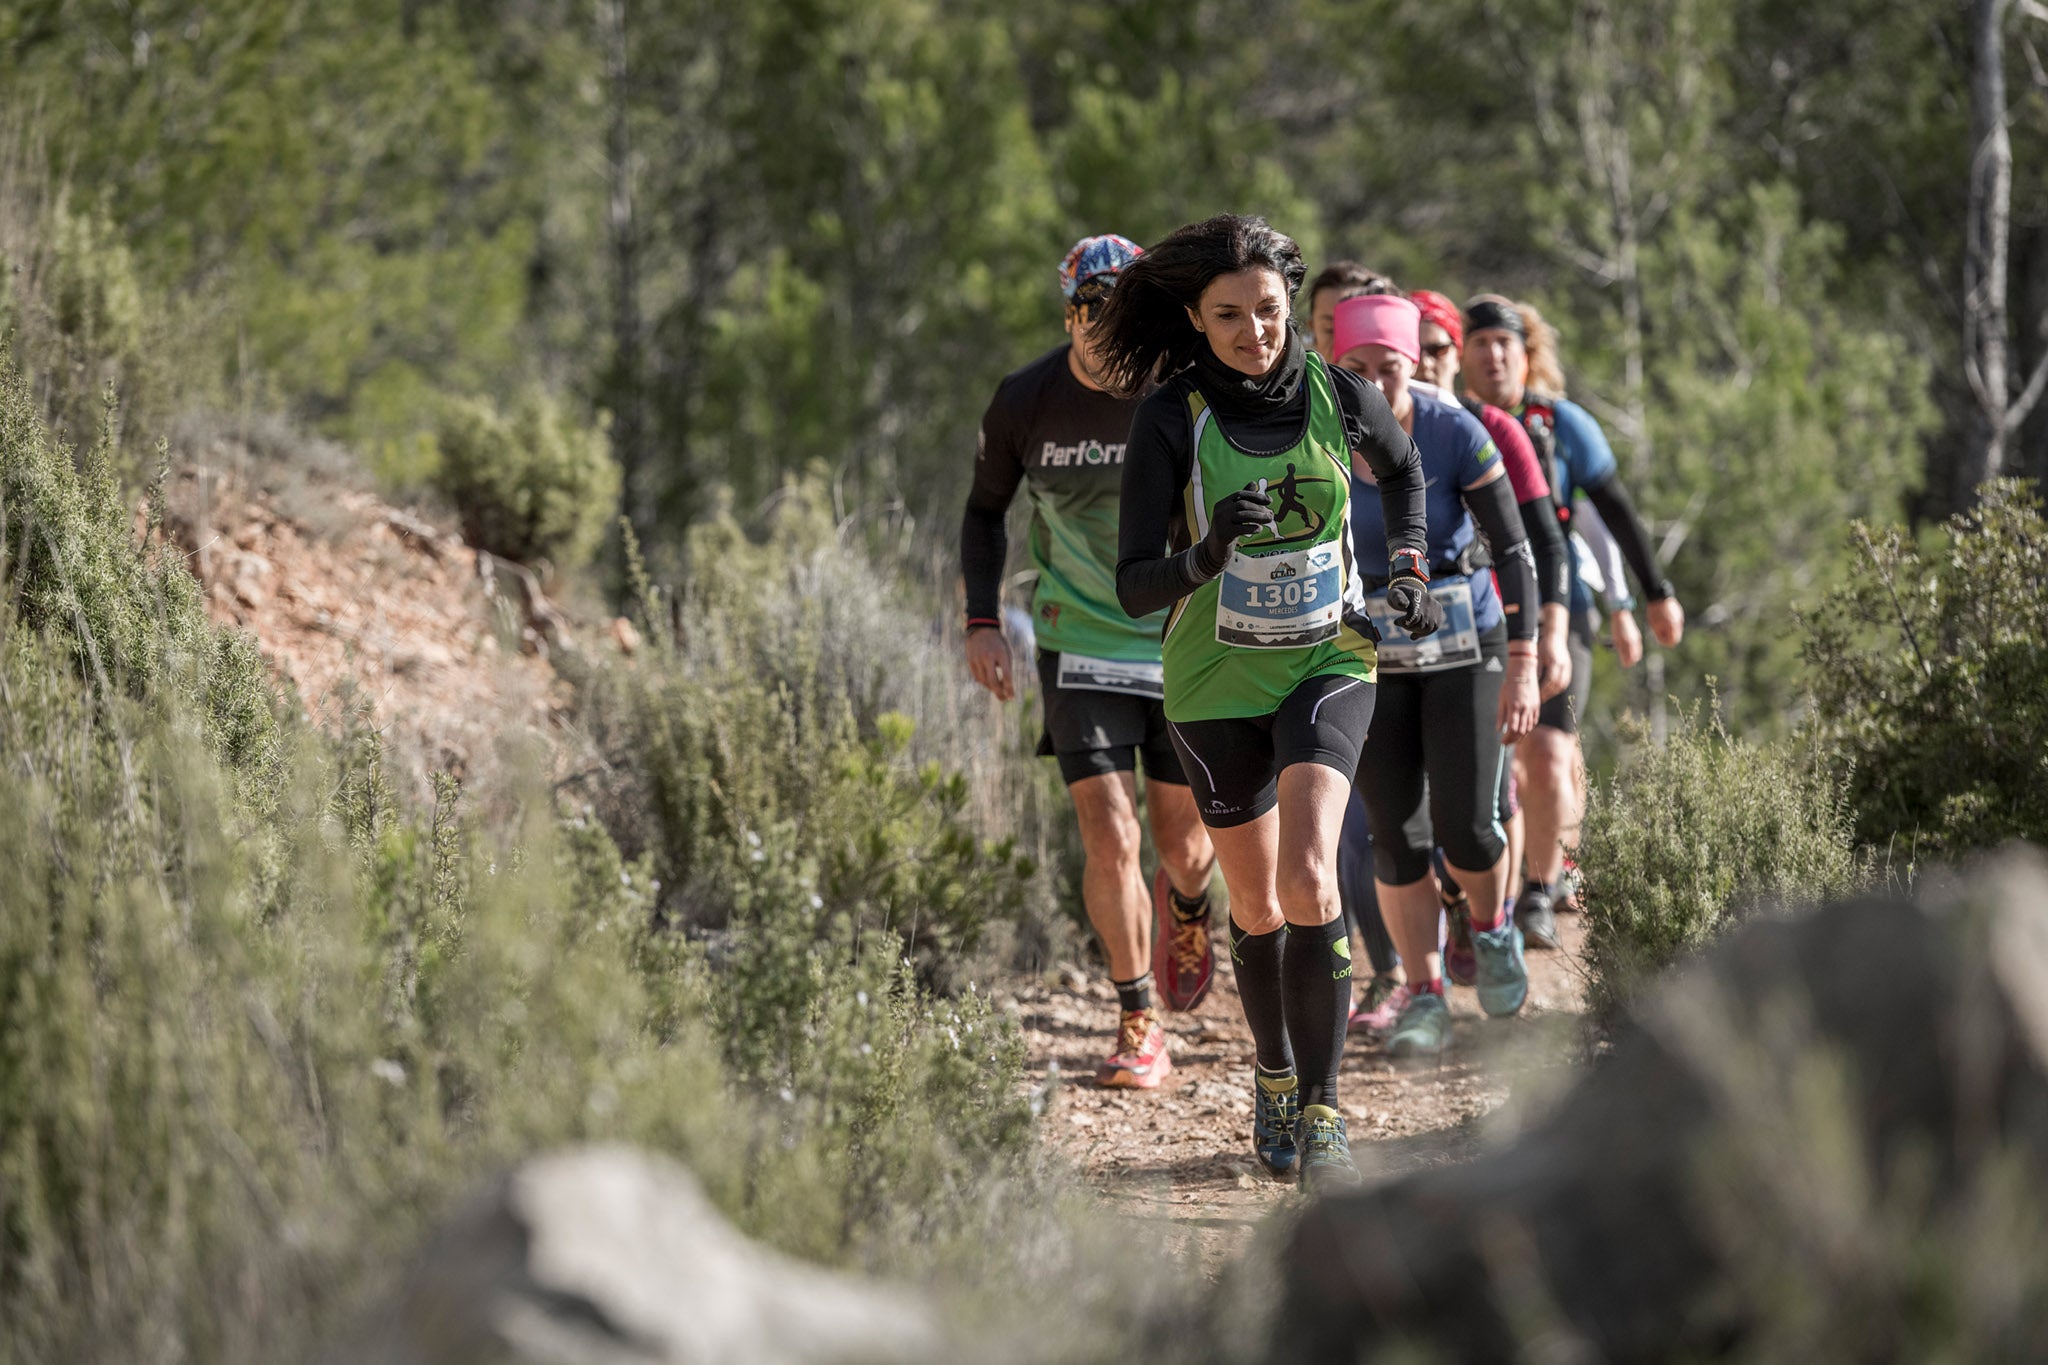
1827,1139
609,1256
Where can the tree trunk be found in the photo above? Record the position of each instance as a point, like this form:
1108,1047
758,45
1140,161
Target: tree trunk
2027,454
628,386
1987,333
1610,157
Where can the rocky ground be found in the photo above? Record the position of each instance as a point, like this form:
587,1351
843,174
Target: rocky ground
1180,1157
362,606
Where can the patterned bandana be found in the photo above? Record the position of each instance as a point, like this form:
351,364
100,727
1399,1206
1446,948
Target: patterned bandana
1095,261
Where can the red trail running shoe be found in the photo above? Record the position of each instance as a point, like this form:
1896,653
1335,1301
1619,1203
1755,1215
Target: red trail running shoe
1140,1061
1183,958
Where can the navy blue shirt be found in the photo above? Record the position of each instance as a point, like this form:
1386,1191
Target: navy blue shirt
1456,452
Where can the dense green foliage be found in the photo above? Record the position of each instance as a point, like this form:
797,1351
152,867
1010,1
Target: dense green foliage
1690,836
75,312
529,484
1927,739
1930,682
132,628
258,1019
766,237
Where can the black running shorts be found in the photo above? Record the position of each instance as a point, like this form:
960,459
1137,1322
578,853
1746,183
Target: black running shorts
1562,711
1094,734
1430,774
1233,766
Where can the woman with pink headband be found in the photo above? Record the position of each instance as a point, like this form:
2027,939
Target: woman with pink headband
1442,337
1430,771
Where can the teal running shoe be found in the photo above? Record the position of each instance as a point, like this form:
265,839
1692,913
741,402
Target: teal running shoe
1422,1030
1502,971
1458,964
1276,1112
1326,1163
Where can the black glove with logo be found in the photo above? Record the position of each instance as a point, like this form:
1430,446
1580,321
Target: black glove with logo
1236,516
1415,610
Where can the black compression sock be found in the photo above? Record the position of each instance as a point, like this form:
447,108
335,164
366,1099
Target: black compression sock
1316,967
1185,910
1257,959
1135,994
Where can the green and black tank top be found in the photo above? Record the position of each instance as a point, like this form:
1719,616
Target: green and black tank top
1289,606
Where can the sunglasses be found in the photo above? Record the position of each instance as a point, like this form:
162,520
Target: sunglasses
1436,349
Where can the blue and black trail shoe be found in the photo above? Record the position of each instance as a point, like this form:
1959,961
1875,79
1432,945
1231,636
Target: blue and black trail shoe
1276,1110
1326,1163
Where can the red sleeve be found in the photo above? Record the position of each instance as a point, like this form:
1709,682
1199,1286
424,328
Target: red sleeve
1525,471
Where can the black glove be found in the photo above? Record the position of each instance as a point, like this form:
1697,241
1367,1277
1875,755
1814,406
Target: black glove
1415,610
1240,514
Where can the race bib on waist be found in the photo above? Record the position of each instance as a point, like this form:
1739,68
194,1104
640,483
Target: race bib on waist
1079,673
1455,644
1288,600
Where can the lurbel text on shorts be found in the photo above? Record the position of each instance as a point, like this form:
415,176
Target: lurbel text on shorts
1055,456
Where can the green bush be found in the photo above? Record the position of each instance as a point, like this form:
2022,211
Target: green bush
1929,676
833,707
529,484
75,310
133,623
1690,836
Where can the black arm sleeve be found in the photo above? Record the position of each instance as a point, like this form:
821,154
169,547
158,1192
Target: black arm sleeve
1619,512
1376,435
984,538
1546,542
1157,459
1493,507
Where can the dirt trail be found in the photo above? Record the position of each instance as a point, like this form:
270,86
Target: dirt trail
1181,1156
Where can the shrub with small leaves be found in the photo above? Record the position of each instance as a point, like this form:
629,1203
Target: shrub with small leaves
831,706
1690,836
79,314
133,622
1929,676
533,483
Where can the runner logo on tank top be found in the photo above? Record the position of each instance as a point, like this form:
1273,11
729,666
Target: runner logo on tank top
1276,596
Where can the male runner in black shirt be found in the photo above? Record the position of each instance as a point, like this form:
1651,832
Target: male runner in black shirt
1052,429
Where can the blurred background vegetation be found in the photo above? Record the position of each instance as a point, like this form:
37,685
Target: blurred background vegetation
748,275
820,232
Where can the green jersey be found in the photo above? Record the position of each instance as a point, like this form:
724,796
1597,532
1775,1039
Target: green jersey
1289,605
1064,442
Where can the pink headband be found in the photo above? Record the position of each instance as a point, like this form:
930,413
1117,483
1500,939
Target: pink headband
1379,320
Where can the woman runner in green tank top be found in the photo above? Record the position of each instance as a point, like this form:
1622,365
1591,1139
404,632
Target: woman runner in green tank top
1288,604
1235,515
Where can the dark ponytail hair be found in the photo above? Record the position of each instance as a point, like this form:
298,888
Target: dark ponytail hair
1142,329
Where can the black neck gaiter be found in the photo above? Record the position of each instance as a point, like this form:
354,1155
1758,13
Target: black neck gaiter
1235,394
